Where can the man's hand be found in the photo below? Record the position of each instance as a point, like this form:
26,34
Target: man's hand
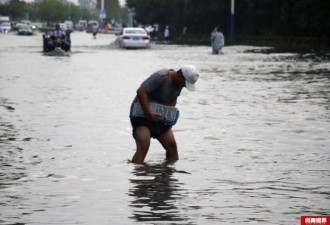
153,117
144,100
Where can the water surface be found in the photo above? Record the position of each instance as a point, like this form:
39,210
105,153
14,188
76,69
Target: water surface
253,138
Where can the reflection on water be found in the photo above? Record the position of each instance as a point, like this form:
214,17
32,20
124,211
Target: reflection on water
155,193
11,163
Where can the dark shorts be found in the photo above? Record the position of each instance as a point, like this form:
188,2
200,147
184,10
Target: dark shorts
156,128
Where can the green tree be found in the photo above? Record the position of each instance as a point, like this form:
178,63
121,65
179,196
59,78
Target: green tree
46,10
16,9
56,11
87,14
4,9
198,16
112,9
252,17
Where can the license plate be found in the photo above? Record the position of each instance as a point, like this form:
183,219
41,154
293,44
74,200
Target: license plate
136,38
169,114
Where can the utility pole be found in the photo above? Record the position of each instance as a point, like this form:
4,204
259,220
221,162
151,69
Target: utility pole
102,14
131,14
232,22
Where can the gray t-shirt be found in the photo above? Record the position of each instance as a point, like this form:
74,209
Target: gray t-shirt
160,89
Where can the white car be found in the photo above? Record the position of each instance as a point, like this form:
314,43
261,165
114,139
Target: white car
133,38
69,25
5,27
81,25
63,26
25,29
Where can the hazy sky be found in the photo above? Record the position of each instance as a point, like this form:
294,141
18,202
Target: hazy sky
122,2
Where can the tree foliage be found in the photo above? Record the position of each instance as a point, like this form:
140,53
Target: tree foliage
112,9
47,10
15,9
252,17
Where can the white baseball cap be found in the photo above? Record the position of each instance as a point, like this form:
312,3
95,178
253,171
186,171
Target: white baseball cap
191,75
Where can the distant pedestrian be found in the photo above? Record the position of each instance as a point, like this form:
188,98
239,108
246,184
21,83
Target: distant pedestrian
94,30
167,33
184,30
156,26
217,41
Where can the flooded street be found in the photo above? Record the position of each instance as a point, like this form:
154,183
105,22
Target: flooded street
253,138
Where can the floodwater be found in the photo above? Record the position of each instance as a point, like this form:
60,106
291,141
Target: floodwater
253,138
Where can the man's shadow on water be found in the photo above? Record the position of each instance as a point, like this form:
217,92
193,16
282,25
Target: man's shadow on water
155,193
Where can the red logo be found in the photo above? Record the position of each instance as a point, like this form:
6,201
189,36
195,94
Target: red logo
315,220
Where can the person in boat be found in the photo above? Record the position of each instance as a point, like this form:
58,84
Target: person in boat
162,87
58,33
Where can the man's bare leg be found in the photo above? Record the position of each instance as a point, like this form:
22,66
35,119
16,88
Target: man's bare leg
168,142
142,140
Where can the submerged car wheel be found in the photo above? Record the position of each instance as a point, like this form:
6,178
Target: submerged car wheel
117,44
121,45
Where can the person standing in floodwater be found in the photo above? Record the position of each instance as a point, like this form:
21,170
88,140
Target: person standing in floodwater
217,41
163,87
167,33
94,30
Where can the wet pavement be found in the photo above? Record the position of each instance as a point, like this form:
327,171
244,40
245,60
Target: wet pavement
253,138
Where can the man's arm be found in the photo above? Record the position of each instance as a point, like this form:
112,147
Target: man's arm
174,103
63,35
144,100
